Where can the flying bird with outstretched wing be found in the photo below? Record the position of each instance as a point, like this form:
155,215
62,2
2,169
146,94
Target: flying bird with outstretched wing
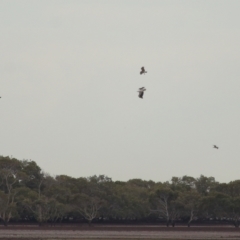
141,92
143,71
214,146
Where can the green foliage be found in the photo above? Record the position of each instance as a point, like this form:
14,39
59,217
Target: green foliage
26,192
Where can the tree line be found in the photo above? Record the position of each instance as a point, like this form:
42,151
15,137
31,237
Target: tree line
27,194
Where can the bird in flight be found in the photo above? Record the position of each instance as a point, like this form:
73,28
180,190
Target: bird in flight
143,70
141,92
214,146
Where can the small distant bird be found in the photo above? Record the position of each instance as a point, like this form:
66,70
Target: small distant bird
143,70
141,92
214,146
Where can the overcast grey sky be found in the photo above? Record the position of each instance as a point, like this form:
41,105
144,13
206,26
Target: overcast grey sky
69,74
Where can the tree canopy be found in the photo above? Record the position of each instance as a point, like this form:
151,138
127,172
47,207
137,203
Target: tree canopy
29,194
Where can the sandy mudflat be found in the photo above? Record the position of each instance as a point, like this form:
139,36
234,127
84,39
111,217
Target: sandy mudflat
126,233
118,232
